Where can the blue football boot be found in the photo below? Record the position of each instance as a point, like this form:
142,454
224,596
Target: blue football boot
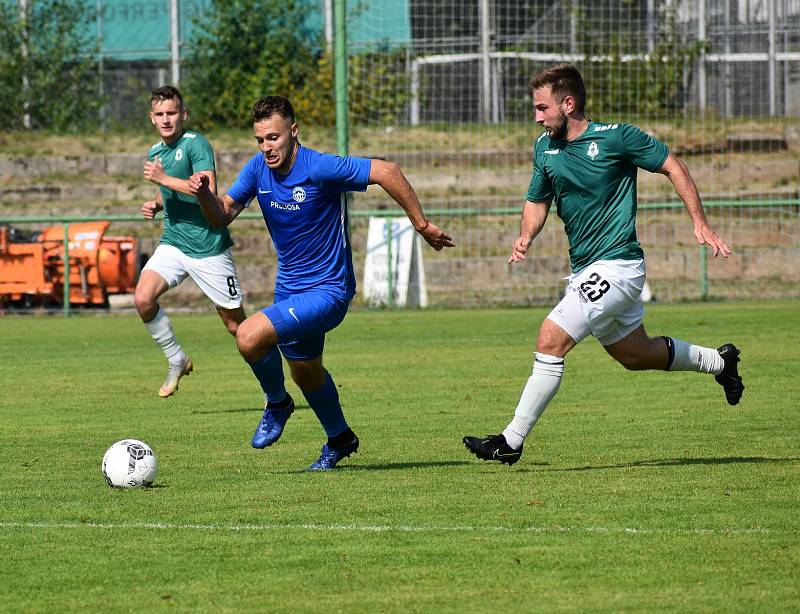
272,422
331,455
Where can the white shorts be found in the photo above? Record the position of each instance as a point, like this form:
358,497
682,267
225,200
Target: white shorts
602,300
214,275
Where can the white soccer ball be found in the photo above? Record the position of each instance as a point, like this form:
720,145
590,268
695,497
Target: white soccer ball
130,463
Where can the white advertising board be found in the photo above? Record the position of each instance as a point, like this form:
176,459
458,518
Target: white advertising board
394,239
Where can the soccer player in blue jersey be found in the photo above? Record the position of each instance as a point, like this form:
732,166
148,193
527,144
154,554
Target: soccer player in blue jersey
301,193
189,246
589,170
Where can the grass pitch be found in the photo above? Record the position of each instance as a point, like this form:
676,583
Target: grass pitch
636,491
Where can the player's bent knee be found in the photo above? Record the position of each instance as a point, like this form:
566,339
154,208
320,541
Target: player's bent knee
146,305
232,318
553,340
247,342
554,347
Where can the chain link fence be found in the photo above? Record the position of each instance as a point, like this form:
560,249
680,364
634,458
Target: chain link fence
441,87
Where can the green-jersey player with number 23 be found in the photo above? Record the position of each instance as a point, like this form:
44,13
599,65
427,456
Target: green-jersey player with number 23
588,170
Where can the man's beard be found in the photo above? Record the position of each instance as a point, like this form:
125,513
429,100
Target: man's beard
559,132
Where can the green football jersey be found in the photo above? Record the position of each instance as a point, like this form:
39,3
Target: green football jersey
592,181
185,226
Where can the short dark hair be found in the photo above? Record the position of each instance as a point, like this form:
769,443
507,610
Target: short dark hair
166,92
563,80
268,106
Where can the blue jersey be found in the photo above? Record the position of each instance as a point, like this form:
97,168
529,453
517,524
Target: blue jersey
306,217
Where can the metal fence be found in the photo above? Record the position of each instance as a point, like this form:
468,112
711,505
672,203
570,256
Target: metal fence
743,55
765,233
717,80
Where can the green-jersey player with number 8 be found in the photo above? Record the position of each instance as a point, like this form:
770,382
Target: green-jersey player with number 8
189,246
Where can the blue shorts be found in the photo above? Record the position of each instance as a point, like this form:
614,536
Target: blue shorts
301,321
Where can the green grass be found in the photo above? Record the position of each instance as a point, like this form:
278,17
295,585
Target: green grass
637,492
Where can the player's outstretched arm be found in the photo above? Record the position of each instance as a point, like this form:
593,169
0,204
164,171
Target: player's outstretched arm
678,173
220,212
389,176
534,215
154,173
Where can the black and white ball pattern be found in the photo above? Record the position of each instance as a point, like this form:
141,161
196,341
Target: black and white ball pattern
130,463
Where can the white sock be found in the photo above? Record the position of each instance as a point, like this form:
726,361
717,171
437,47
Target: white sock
541,388
161,331
688,357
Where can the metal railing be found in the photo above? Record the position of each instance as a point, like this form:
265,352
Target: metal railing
464,212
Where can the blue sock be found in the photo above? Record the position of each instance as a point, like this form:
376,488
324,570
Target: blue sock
325,403
269,372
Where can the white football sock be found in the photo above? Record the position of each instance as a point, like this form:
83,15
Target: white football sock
688,357
161,331
541,388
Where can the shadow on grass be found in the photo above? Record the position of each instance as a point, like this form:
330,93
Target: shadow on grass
243,409
409,465
677,462
383,467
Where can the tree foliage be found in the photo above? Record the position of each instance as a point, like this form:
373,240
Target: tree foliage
49,71
245,49
627,82
377,89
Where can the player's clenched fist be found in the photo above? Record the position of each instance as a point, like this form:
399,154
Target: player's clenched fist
519,250
198,182
154,171
150,208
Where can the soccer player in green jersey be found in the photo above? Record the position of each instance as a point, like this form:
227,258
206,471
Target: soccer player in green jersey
589,170
189,246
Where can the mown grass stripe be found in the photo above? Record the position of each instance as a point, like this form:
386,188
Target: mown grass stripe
386,528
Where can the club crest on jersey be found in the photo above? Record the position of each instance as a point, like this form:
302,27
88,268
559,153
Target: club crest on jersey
298,194
593,150
179,154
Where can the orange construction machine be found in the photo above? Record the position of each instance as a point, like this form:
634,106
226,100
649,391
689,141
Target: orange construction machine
32,266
